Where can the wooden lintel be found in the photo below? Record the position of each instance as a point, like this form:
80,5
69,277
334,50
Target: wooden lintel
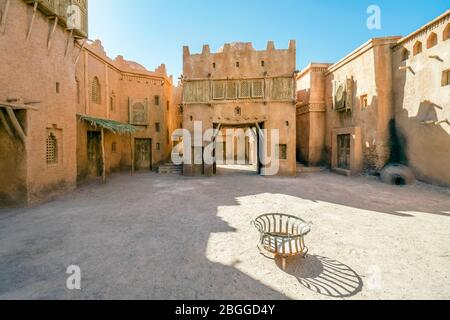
16,124
30,28
4,16
6,124
19,106
50,38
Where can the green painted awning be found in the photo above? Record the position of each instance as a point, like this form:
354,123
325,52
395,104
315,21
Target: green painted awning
110,125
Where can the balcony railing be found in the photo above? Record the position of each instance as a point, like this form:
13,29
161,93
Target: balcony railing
60,8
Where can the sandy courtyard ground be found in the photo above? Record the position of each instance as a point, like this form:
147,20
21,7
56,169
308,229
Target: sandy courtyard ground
169,237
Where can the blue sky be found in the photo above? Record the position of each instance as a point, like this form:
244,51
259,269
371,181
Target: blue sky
152,32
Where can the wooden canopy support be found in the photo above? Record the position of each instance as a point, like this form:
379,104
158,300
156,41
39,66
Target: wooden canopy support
5,124
81,50
103,157
30,28
50,38
19,106
4,16
16,124
68,42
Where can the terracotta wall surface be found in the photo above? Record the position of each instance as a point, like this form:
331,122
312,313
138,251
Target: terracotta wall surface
422,101
123,82
236,62
30,70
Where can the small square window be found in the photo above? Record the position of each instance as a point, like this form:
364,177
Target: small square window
446,78
157,127
237,64
262,63
214,65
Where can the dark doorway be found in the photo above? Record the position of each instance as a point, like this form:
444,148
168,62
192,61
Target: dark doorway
94,154
344,151
143,154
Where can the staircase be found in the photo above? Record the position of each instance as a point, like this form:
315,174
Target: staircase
170,168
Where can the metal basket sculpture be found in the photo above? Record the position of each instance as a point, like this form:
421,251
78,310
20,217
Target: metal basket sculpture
283,235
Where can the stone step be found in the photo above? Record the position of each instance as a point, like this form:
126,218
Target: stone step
170,168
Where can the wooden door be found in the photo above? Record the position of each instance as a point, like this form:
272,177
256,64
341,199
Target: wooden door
344,151
143,154
94,154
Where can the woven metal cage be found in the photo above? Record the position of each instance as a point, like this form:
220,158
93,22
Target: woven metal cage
283,235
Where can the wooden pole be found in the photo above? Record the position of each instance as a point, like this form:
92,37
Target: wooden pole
132,154
16,124
5,124
32,20
103,158
4,16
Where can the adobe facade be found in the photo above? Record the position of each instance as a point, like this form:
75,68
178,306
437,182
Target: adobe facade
126,92
51,78
242,87
386,102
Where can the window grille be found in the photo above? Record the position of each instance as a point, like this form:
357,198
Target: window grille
232,90
245,89
258,89
96,91
219,90
52,149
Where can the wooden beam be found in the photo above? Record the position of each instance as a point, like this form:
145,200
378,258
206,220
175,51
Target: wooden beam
50,38
5,124
81,50
30,28
18,106
68,42
4,16
132,154
16,125
103,157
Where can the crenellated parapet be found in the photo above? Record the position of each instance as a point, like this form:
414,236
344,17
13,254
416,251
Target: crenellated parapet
239,60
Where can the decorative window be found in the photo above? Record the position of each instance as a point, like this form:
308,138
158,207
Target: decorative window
114,147
432,40
281,151
283,88
156,100
157,127
245,89
231,90
96,96
219,90
417,48
405,54
237,111
52,149
364,101
258,89
446,33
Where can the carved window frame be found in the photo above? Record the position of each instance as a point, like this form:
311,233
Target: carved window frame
242,85
254,91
